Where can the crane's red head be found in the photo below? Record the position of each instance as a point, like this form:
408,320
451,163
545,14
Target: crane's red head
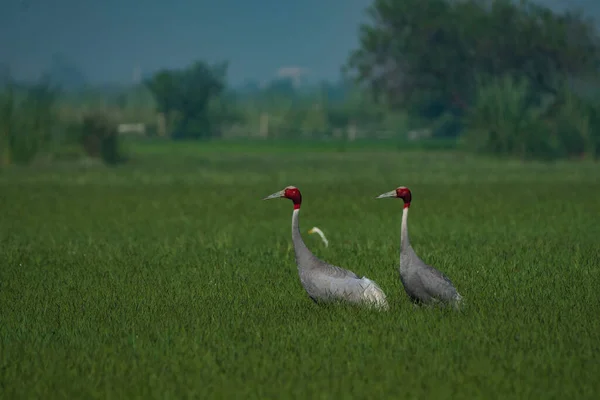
401,192
290,192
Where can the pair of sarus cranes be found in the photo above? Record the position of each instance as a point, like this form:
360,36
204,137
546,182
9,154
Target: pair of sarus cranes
325,282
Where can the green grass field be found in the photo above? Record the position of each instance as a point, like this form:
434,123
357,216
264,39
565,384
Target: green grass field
170,278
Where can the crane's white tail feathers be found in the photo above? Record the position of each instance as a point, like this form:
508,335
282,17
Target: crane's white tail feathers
458,302
374,296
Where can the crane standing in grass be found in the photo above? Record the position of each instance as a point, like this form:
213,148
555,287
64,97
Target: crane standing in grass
323,281
423,283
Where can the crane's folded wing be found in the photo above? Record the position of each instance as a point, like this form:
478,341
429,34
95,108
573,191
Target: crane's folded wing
436,284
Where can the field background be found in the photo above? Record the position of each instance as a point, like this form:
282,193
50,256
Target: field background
168,277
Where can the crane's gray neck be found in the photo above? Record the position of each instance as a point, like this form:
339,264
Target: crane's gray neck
303,255
404,241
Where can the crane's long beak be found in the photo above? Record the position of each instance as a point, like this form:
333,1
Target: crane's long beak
391,193
276,195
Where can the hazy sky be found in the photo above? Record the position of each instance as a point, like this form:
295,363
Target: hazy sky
108,38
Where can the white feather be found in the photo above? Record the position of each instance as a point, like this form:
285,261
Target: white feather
374,294
320,233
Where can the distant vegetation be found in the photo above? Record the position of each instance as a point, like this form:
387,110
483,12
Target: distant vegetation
509,77
499,77
33,123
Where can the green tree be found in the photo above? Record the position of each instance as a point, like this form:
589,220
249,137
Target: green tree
185,96
426,54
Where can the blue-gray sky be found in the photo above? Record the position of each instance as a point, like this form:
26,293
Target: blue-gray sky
106,39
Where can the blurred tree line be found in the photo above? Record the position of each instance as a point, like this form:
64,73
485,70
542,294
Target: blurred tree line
500,76
196,103
507,77
496,76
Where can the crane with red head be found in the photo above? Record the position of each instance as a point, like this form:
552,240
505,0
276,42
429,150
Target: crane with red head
422,282
323,281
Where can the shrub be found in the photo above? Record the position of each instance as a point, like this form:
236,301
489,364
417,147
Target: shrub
509,118
100,138
7,121
503,119
594,140
27,121
574,125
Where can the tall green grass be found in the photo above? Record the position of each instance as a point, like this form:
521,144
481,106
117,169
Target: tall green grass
169,278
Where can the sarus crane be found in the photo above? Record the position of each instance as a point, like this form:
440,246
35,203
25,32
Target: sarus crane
423,283
324,282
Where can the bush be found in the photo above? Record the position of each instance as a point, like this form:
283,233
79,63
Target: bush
100,138
594,140
29,124
27,121
573,125
510,118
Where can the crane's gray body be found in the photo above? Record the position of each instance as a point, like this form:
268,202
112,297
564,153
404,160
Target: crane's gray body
326,282
423,283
